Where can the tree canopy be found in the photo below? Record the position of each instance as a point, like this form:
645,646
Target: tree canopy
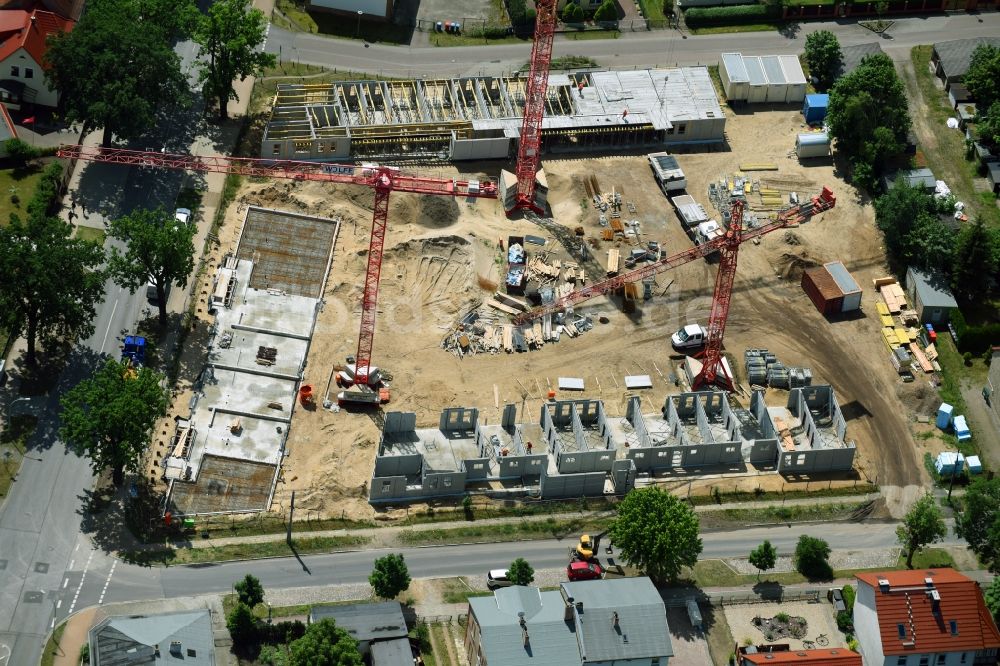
242,625
249,591
324,644
117,68
763,557
811,555
861,102
158,249
51,282
390,576
657,533
993,599
110,415
520,572
607,11
572,13
974,261
922,525
983,77
823,57
988,125
979,523
229,36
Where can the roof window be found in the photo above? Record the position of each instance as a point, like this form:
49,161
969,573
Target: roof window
953,625
901,628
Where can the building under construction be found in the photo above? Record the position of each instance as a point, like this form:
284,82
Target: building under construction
479,117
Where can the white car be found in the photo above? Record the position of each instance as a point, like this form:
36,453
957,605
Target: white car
183,215
689,337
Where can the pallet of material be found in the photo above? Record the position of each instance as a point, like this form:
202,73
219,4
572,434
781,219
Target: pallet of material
895,298
607,234
889,337
497,305
925,365
508,338
883,314
510,301
762,166
787,441
570,330
614,259
931,352
617,226
538,334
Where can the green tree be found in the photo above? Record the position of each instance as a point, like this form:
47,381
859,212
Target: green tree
979,523
159,249
249,591
823,56
930,244
811,558
390,576
922,525
520,572
117,68
993,599
230,36
763,557
983,77
109,416
897,212
572,13
870,97
607,12
988,125
657,533
51,282
324,644
242,625
973,260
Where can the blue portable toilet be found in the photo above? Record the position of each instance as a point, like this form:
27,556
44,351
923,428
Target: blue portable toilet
943,420
814,108
962,429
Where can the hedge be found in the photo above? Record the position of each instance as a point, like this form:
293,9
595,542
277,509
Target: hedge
47,195
975,339
697,16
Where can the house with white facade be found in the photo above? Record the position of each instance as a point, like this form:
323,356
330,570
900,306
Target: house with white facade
925,617
23,36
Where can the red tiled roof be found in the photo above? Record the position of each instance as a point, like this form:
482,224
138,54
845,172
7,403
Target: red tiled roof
29,30
821,657
961,602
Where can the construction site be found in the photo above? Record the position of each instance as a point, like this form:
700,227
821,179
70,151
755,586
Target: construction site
493,295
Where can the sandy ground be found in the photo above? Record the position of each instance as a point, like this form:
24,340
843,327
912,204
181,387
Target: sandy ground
441,260
818,616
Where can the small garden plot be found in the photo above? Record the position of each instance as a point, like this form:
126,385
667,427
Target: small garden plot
781,626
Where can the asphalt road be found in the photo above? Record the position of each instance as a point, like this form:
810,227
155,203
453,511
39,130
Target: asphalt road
643,49
44,558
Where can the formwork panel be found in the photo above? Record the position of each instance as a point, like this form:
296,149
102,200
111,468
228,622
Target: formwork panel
290,252
224,485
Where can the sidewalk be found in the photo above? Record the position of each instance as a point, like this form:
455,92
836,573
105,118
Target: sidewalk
373,532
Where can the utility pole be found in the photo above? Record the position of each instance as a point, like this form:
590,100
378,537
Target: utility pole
291,513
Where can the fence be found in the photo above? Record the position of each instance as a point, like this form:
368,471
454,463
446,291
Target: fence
765,596
460,618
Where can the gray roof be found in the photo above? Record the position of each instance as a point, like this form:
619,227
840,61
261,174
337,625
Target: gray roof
851,56
931,288
642,619
172,638
396,652
844,280
365,622
916,178
954,55
993,172
551,639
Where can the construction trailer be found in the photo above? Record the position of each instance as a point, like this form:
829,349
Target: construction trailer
832,289
812,144
734,76
757,79
668,173
480,117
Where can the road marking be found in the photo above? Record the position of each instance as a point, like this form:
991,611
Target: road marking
77,547
52,624
59,604
111,321
79,587
71,563
65,583
107,582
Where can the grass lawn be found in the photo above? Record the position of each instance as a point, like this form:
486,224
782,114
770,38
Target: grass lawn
52,646
726,29
777,514
808,492
592,34
457,591
13,439
90,234
448,39
652,10
17,185
810,3
492,533
953,371
243,551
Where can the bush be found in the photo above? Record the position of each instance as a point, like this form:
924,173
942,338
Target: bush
19,151
607,12
974,338
845,622
849,595
48,192
699,16
811,555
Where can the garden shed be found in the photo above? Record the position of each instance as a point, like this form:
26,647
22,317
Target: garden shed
735,80
928,294
814,108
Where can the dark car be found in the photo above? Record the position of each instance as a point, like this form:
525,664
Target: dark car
836,597
584,571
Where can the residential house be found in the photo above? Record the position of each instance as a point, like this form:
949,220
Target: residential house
160,640
71,9
369,9
927,292
951,59
380,630
22,51
923,618
764,655
851,56
7,130
621,621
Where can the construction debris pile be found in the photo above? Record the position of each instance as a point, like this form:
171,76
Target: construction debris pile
764,369
484,333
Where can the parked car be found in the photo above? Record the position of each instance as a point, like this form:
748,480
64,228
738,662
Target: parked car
836,597
183,215
581,570
498,578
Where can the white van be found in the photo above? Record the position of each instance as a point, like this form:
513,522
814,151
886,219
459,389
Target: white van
151,291
497,578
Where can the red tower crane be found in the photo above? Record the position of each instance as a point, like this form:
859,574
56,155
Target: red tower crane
383,179
728,245
529,145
